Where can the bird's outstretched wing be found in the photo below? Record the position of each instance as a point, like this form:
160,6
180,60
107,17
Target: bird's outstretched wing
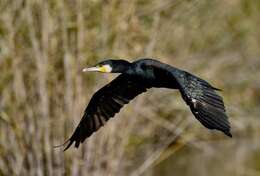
206,105
104,104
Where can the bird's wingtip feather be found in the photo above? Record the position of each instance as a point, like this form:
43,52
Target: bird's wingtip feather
69,144
62,145
217,89
228,133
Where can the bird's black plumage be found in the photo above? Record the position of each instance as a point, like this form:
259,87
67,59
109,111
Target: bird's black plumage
135,78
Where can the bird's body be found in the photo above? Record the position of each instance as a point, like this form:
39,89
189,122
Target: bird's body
135,78
152,73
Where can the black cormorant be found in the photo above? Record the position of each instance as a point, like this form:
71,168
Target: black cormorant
135,78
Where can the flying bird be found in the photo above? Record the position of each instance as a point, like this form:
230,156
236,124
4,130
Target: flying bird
136,78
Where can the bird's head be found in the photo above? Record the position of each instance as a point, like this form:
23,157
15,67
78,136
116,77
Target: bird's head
110,66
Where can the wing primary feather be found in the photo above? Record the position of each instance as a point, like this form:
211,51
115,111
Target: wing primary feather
120,102
211,121
95,120
104,104
212,103
105,114
216,119
207,106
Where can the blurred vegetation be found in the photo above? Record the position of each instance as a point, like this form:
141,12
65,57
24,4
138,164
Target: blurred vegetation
45,44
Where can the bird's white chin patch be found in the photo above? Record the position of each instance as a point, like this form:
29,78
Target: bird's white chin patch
106,69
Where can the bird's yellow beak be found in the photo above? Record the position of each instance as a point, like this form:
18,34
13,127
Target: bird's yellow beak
103,69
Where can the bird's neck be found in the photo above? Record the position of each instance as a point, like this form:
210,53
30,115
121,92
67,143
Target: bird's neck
127,68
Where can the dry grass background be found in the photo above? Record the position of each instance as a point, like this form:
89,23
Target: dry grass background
45,44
